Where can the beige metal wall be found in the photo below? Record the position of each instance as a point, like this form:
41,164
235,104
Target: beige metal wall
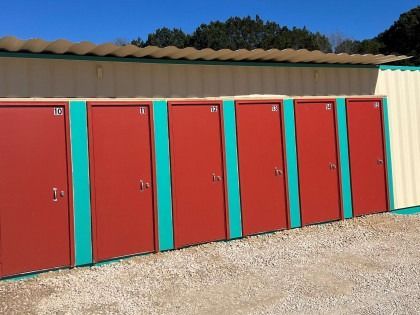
61,78
403,91
21,77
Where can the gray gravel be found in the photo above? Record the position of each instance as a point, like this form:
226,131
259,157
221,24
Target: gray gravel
368,265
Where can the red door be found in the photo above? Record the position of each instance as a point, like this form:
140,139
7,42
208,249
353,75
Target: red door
317,161
34,204
122,181
261,167
197,173
367,157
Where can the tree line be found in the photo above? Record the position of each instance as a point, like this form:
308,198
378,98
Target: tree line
403,37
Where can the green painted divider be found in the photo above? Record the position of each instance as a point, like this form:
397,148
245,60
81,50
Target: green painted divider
388,154
344,158
291,162
411,210
163,175
81,183
232,174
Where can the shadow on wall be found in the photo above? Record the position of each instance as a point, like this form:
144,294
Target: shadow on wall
70,78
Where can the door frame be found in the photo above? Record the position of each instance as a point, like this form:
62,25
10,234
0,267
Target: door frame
90,105
337,149
192,102
278,102
65,105
381,104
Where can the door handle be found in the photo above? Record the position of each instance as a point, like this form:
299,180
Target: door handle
333,166
55,199
216,178
144,185
277,172
380,161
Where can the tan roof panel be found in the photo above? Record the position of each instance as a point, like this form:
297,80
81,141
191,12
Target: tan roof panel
62,46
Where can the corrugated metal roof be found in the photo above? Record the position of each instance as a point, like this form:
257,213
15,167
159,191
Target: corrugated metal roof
62,46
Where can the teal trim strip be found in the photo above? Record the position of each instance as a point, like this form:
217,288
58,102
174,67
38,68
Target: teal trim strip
411,210
344,158
402,68
163,175
388,155
180,61
232,173
291,161
81,182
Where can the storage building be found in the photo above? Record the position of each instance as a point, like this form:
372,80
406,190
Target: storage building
111,151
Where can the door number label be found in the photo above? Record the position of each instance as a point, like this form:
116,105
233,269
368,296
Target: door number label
142,110
58,111
213,109
275,108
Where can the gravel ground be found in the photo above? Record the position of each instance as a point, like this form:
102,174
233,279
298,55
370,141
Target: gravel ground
368,265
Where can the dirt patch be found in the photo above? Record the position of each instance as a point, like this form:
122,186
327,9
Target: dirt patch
364,265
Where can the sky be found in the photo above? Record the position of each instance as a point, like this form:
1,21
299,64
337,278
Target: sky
103,21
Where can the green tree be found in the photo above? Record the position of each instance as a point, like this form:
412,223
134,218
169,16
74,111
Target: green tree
403,37
138,42
367,46
164,37
239,33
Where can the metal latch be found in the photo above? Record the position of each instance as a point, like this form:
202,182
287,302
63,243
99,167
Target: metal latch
376,105
328,106
144,185
277,172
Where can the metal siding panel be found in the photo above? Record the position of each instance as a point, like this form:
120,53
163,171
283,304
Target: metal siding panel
19,79
107,85
403,91
124,80
85,79
232,176
163,175
65,78
291,162
81,183
388,155
142,77
344,159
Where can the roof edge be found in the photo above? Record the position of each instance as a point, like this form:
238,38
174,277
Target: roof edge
4,54
110,50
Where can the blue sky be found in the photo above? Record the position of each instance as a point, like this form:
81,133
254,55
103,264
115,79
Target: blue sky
104,20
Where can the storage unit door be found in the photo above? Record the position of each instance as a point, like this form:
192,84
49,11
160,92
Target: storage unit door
34,207
261,167
317,161
197,173
367,157
122,188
